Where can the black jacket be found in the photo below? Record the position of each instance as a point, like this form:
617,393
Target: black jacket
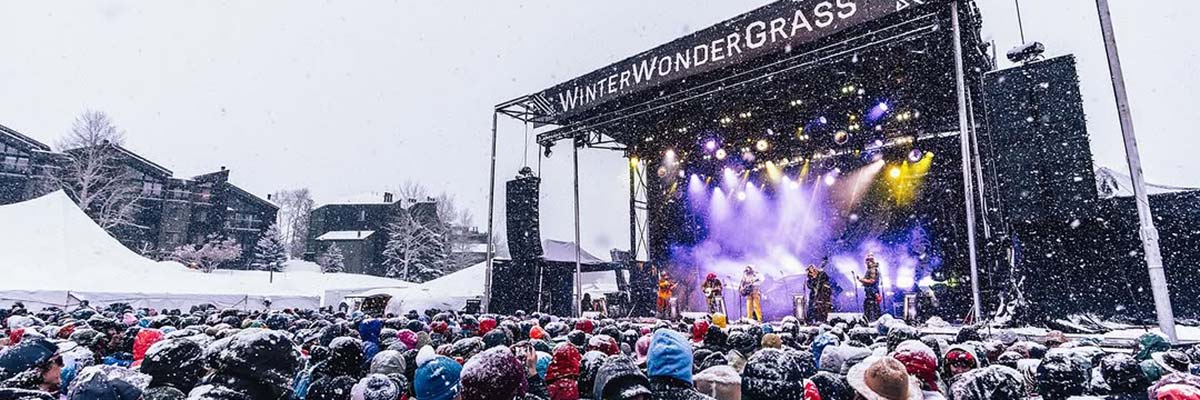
664,388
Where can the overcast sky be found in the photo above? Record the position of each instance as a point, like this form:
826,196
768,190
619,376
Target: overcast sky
345,97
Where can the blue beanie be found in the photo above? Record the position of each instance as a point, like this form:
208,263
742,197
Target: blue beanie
670,355
437,378
543,363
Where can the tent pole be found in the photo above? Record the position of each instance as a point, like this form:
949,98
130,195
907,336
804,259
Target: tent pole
1149,233
491,245
578,246
964,138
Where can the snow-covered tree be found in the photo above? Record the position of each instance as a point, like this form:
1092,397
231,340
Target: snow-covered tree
216,251
332,260
269,253
414,252
295,208
94,175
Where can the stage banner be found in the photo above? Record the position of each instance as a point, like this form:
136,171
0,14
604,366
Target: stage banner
778,27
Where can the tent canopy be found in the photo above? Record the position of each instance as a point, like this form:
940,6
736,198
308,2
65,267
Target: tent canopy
51,253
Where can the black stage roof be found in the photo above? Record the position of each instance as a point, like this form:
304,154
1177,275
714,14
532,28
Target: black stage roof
774,68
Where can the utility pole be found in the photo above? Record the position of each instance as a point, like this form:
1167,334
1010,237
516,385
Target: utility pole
1148,233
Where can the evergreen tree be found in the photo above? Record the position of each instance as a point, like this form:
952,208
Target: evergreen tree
414,252
270,254
332,260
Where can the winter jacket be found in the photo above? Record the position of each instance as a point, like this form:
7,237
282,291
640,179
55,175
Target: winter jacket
23,394
145,338
495,374
100,386
721,382
369,331
994,382
832,386
619,375
669,388
174,363
255,362
774,373
163,393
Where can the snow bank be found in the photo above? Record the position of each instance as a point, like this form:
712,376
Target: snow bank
51,253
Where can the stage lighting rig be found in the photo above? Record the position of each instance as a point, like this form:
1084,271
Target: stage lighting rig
1027,53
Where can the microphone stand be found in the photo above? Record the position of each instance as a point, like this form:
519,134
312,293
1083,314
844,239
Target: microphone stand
856,296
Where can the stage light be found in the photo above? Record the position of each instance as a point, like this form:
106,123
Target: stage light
841,137
634,161
795,103
884,107
726,121
721,154
741,196
830,179
894,172
662,172
710,145
747,156
915,155
682,174
670,154
762,145
823,120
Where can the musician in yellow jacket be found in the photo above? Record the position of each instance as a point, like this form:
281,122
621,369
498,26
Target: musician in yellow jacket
665,289
751,283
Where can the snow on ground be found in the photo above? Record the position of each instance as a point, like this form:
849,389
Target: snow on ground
51,252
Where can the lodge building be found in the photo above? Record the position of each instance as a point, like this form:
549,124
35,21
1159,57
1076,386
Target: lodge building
169,211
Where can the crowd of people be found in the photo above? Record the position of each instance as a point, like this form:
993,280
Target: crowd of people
121,353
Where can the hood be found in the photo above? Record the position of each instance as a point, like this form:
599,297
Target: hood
145,338
994,382
619,375
670,355
176,363
831,386
920,362
1062,373
820,343
369,330
564,364
437,377
345,357
388,362
720,382
493,374
774,373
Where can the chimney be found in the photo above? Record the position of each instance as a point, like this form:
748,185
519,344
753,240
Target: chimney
268,197
222,167
387,197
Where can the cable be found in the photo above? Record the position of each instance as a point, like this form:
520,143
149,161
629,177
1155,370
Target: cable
1020,23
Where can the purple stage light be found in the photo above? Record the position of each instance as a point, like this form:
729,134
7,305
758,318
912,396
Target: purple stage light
710,145
878,112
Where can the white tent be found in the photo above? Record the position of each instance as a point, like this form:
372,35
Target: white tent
51,253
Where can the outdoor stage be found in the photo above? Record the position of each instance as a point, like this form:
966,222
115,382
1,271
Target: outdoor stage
803,131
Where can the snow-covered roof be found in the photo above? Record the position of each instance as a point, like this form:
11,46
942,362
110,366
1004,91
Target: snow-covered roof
361,198
50,251
345,235
1110,183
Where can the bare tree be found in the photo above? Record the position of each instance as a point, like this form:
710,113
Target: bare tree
294,216
94,175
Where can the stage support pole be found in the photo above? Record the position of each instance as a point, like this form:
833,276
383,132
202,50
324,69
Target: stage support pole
1149,234
578,247
964,137
491,245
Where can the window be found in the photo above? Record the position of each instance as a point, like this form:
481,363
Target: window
244,221
152,189
13,160
362,215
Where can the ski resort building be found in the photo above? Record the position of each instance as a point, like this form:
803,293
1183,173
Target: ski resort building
168,211
358,226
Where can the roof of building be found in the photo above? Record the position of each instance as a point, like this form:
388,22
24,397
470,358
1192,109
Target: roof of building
345,235
252,197
26,140
364,198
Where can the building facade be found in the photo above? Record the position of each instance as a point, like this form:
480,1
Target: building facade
359,228
169,212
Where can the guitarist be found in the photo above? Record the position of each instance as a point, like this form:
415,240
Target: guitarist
665,289
713,292
751,283
820,293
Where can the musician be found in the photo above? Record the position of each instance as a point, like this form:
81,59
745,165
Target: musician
713,292
665,289
820,294
750,288
871,296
